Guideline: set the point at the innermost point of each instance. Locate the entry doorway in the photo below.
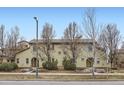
(89, 62)
(34, 62)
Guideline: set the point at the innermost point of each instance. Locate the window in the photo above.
(7, 60)
(27, 60)
(26, 45)
(42, 59)
(53, 59)
(65, 52)
(1, 60)
(59, 52)
(98, 62)
(90, 48)
(52, 46)
(17, 60)
(12, 61)
(82, 59)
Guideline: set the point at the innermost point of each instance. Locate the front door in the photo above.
(34, 62)
(89, 62)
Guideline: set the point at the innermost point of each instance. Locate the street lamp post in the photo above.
(36, 19)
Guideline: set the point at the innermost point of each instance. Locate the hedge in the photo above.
(68, 65)
(50, 65)
(8, 66)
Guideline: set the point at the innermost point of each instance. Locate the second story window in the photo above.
(98, 62)
(82, 59)
(52, 46)
(90, 48)
(59, 52)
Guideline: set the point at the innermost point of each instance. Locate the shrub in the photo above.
(15, 66)
(50, 65)
(68, 65)
(8, 66)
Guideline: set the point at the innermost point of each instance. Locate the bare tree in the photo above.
(109, 39)
(22, 38)
(122, 46)
(11, 42)
(91, 30)
(73, 38)
(2, 38)
(47, 36)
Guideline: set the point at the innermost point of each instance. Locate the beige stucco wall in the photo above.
(58, 56)
(26, 54)
(85, 53)
(102, 59)
(121, 60)
(121, 57)
(6, 60)
(3, 60)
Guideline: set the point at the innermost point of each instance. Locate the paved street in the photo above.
(61, 82)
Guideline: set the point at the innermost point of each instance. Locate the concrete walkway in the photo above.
(48, 73)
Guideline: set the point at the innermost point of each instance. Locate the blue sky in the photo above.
(58, 17)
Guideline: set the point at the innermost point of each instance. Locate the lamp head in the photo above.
(35, 18)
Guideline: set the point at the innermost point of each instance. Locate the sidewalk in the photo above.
(61, 76)
(48, 73)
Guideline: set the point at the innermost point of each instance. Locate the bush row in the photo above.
(67, 64)
(8, 66)
(50, 65)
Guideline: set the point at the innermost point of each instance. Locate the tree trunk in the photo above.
(48, 51)
(94, 57)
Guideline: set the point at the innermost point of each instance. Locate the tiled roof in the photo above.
(62, 41)
(23, 50)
